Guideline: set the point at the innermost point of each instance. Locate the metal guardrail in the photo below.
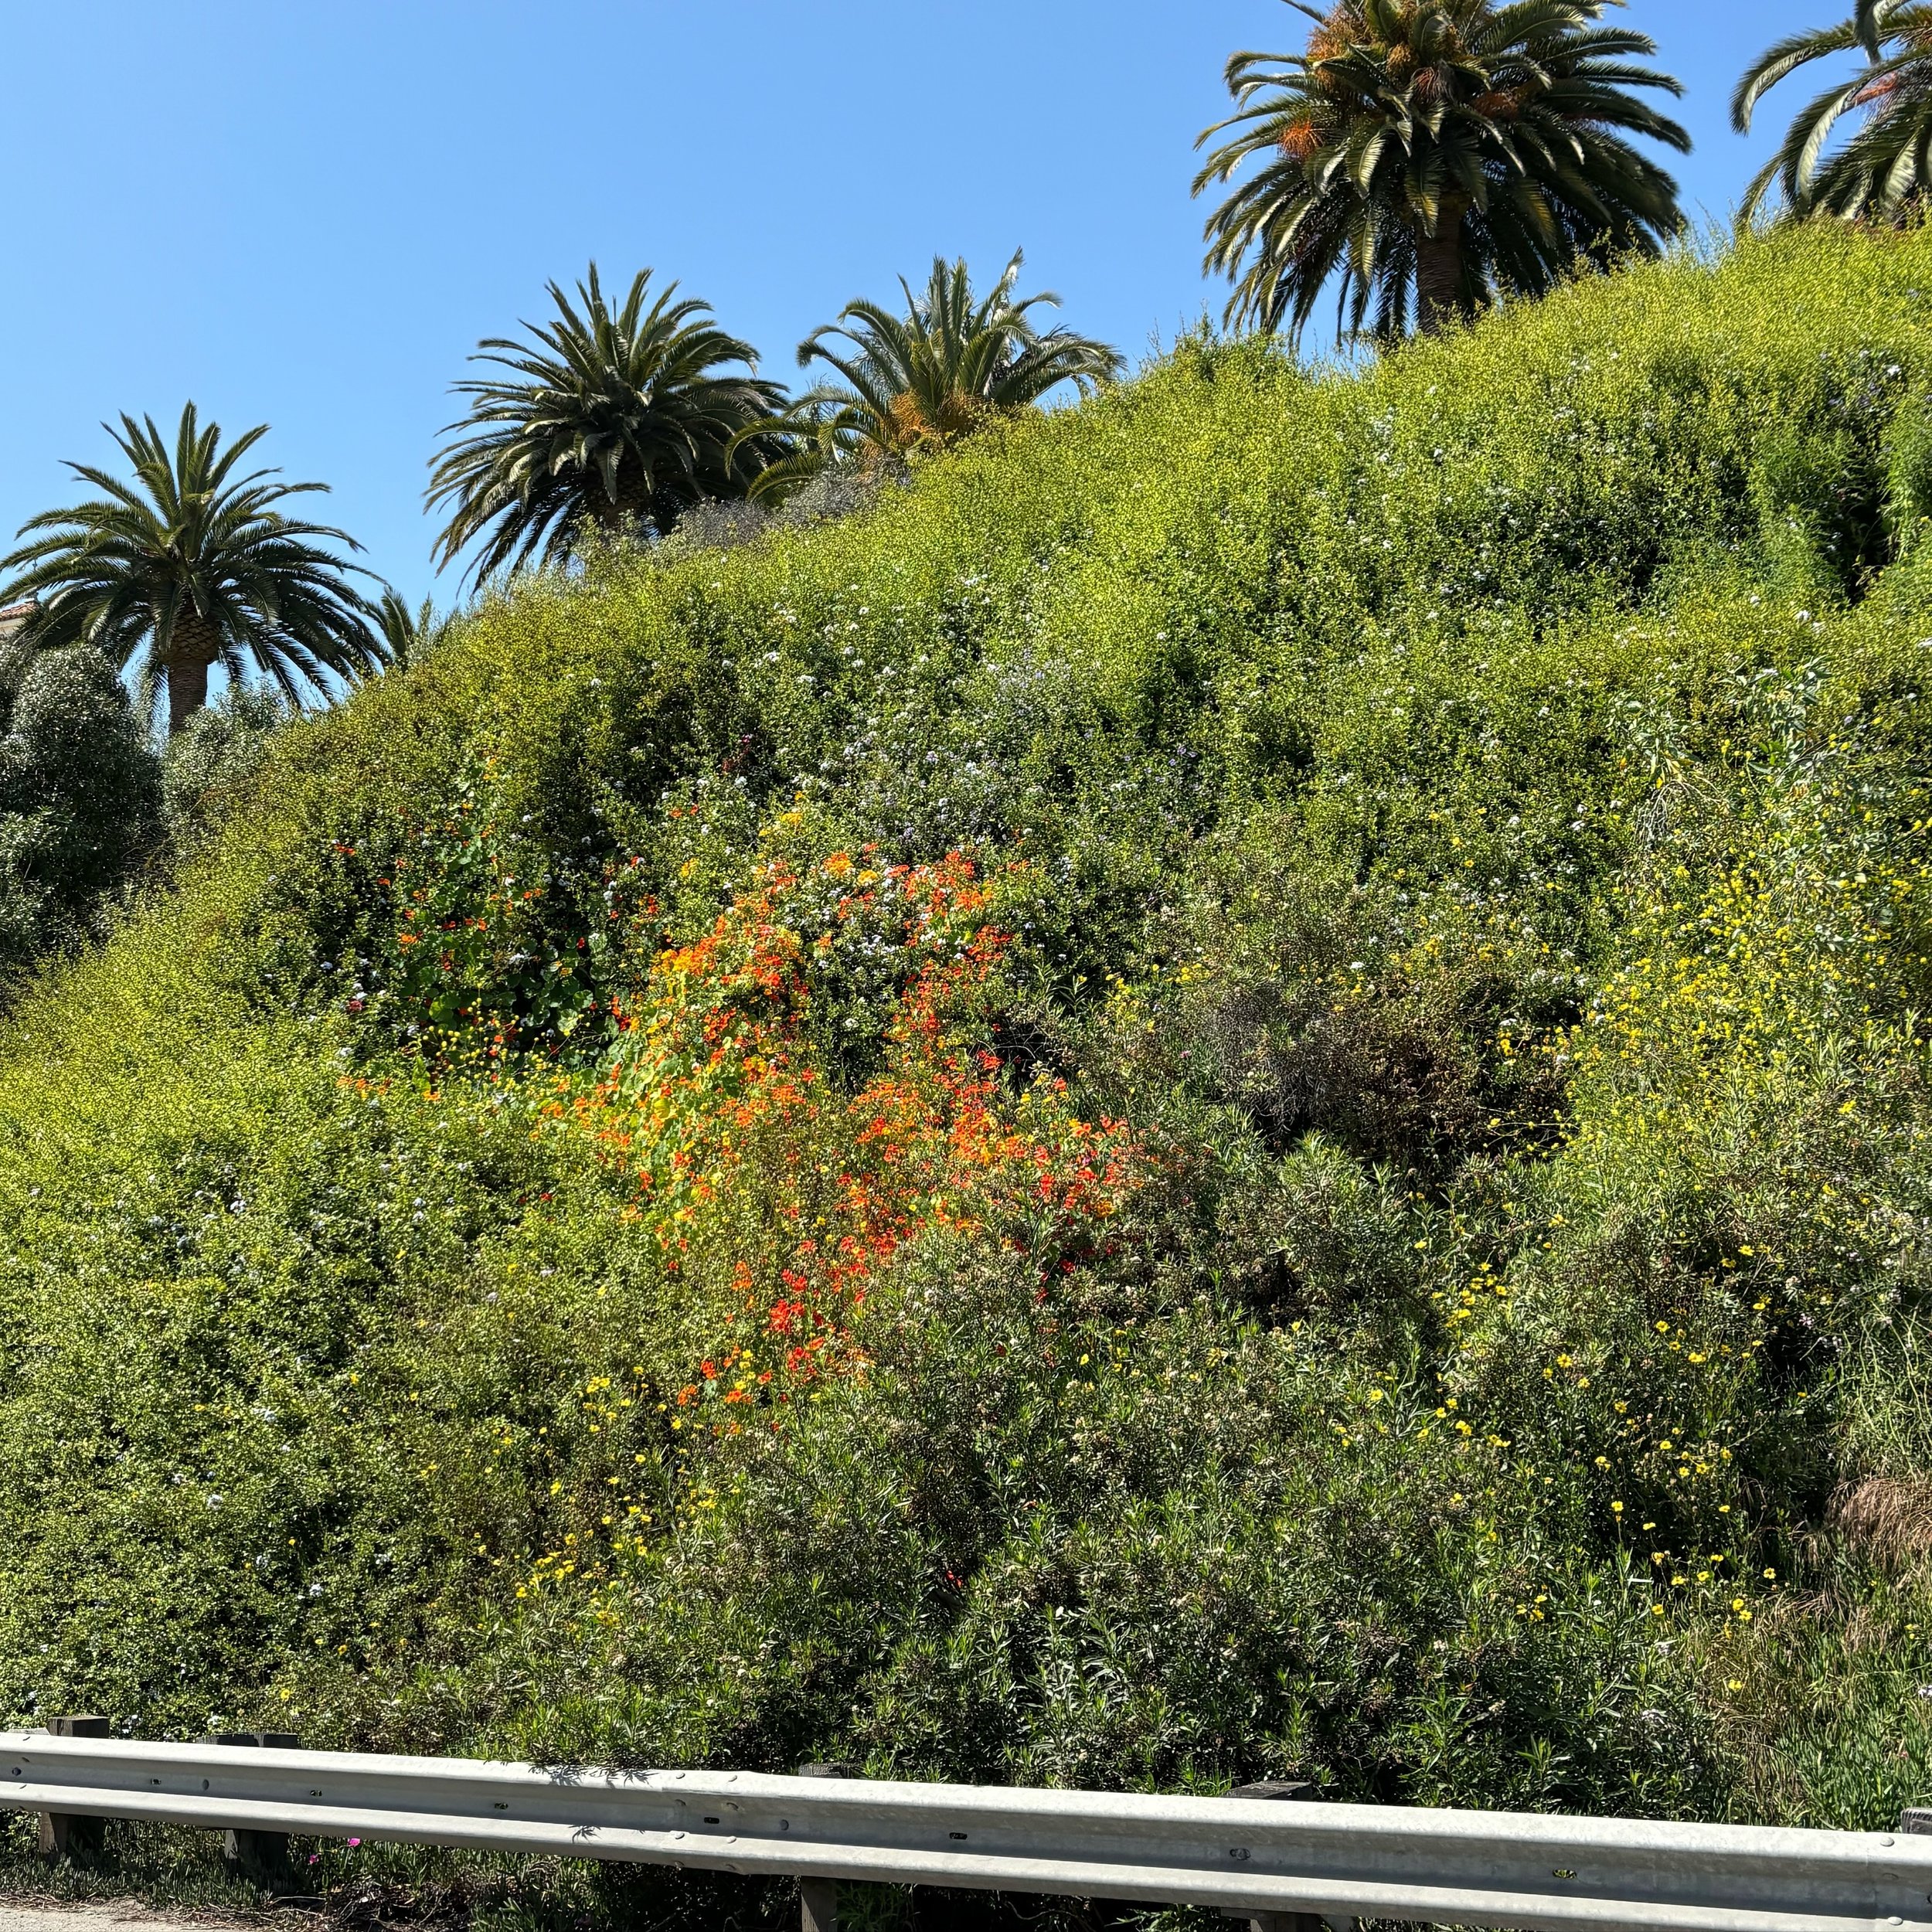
(1247, 1856)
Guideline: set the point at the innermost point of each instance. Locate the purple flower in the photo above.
(353, 1842)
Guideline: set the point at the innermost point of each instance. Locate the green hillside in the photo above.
(1238, 1089)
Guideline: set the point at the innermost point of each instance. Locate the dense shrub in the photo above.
(210, 760)
(80, 804)
(1237, 1088)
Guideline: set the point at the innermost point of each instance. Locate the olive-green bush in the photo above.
(79, 805)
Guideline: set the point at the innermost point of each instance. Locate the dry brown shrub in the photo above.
(1888, 1518)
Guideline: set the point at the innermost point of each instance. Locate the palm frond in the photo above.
(190, 567)
(1403, 125)
(918, 378)
(1878, 170)
(615, 419)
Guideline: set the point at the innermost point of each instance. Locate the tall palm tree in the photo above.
(190, 566)
(1886, 165)
(1427, 154)
(610, 420)
(920, 380)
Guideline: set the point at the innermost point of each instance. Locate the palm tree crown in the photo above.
(191, 566)
(1886, 165)
(409, 634)
(609, 419)
(918, 380)
(1430, 152)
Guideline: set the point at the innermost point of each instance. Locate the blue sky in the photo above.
(306, 214)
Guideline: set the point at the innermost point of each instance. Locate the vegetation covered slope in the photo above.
(1239, 1089)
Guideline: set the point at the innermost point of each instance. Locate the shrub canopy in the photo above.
(80, 804)
(1237, 1089)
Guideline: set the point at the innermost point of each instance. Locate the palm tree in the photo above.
(1430, 153)
(1886, 165)
(607, 420)
(920, 380)
(188, 566)
(408, 636)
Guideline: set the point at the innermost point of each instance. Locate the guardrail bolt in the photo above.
(818, 1898)
(262, 1856)
(64, 1835)
(1291, 1791)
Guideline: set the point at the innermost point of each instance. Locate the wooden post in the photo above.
(64, 1835)
(261, 1855)
(818, 1905)
(818, 1898)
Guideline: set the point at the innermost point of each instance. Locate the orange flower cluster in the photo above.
(720, 1100)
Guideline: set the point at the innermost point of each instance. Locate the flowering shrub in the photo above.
(719, 1098)
(1237, 1089)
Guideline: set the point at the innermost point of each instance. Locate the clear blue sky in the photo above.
(306, 211)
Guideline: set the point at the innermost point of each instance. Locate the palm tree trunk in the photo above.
(611, 517)
(623, 519)
(191, 653)
(1439, 270)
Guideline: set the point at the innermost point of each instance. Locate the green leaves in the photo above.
(80, 804)
(191, 567)
(608, 421)
(1474, 868)
(1422, 156)
(1883, 167)
(916, 383)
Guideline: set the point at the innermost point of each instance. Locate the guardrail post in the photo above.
(65, 1834)
(818, 1905)
(1916, 1821)
(261, 1855)
(1279, 1921)
(818, 1898)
